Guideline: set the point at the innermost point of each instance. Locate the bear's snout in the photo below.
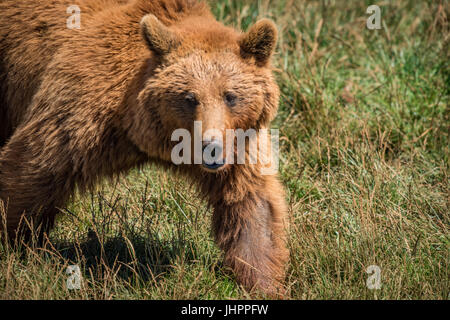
(213, 154)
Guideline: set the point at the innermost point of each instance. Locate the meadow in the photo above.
(364, 156)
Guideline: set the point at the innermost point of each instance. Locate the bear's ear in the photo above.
(259, 42)
(159, 38)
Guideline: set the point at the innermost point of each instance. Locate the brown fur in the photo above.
(78, 105)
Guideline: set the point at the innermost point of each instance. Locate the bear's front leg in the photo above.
(251, 230)
(34, 180)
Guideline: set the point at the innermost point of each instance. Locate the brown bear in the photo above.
(79, 104)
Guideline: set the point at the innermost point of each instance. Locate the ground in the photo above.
(364, 125)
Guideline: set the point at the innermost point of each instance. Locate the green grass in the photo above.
(364, 124)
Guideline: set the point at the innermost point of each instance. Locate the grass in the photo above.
(364, 125)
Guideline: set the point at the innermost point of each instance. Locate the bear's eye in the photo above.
(191, 100)
(230, 99)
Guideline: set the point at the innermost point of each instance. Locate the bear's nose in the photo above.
(213, 154)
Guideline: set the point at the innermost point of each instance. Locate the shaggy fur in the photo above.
(79, 105)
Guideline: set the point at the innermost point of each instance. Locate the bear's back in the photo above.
(30, 34)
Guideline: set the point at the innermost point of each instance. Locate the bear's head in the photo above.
(208, 78)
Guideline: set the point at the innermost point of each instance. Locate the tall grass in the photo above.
(364, 124)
